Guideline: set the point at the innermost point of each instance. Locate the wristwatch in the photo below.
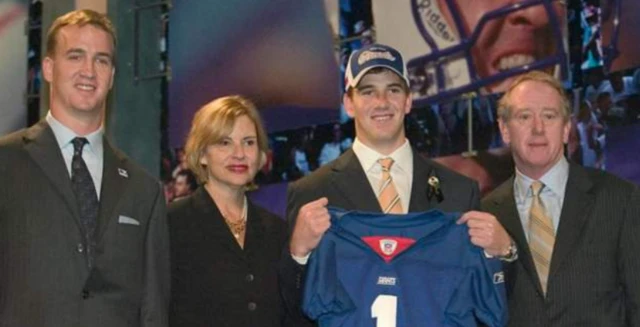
(512, 253)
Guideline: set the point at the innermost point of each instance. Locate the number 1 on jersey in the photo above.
(384, 309)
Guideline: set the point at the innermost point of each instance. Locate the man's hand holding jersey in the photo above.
(486, 232)
(312, 221)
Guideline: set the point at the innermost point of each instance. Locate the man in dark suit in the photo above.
(378, 98)
(83, 235)
(576, 228)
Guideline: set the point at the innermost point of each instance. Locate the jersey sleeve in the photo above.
(324, 294)
(482, 292)
(491, 308)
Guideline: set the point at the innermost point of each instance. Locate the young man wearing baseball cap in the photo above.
(377, 97)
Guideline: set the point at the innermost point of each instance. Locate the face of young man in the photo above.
(80, 72)
(536, 130)
(378, 105)
(505, 42)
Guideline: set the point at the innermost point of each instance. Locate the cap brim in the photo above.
(356, 79)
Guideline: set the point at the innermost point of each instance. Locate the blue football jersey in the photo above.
(418, 269)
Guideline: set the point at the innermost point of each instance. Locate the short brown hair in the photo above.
(504, 105)
(79, 18)
(213, 122)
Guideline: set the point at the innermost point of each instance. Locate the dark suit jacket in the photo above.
(44, 276)
(594, 278)
(345, 184)
(214, 281)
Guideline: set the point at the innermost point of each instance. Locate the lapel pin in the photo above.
(434, 188)
(123, 173)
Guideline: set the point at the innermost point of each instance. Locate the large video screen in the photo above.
(455, 47)
(279, 55)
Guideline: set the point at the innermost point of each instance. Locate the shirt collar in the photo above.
(554, 180)
(64, 135)
(368, 157)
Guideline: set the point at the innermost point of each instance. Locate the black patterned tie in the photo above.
(84, 188)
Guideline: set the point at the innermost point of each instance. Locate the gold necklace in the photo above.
(238, 228)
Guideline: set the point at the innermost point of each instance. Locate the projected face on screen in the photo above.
(511, 40)
(460, 46)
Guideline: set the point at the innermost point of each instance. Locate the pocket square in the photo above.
(127, 220)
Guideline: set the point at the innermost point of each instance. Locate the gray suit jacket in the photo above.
(44, 276)
(345, 184)
(594, 278)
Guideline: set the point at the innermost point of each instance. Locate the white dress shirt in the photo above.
(401, 170)
(92, 153)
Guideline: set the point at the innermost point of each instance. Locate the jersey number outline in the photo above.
(385, 310)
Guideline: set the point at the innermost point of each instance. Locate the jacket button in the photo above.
(80, 248)
(85, 294)
(252, 306)
(249, 278)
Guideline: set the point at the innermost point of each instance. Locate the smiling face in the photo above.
(234, 160)
(80, 73)
(378, 104)
(535, 129)
(505, 42)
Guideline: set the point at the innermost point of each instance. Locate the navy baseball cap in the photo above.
(372, 56)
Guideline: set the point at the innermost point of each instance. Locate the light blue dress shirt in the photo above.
(92, 153)
(552, 194)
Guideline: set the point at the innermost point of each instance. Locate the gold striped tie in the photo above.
(388, 195)
(541, 235)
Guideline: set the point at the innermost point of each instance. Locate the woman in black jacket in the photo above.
(225, 249)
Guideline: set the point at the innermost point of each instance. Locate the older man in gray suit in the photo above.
(83, 235)
(576, 228)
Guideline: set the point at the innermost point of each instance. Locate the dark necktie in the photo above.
(84, 189)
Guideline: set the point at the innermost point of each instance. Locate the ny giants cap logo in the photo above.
(372, 55)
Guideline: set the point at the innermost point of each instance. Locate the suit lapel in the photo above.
(43, 148)
(114, 181)
(507, 213)
(255, 233)
(352, 184)
(421, 172)
(578, 200)
(213, 225)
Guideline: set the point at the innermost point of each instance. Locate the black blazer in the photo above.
(44, 276)
(594, 278)
(214, 281)
(345, 184)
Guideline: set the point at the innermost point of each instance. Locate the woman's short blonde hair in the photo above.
(213, 122)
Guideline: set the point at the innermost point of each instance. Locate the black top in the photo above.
(214, 281)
